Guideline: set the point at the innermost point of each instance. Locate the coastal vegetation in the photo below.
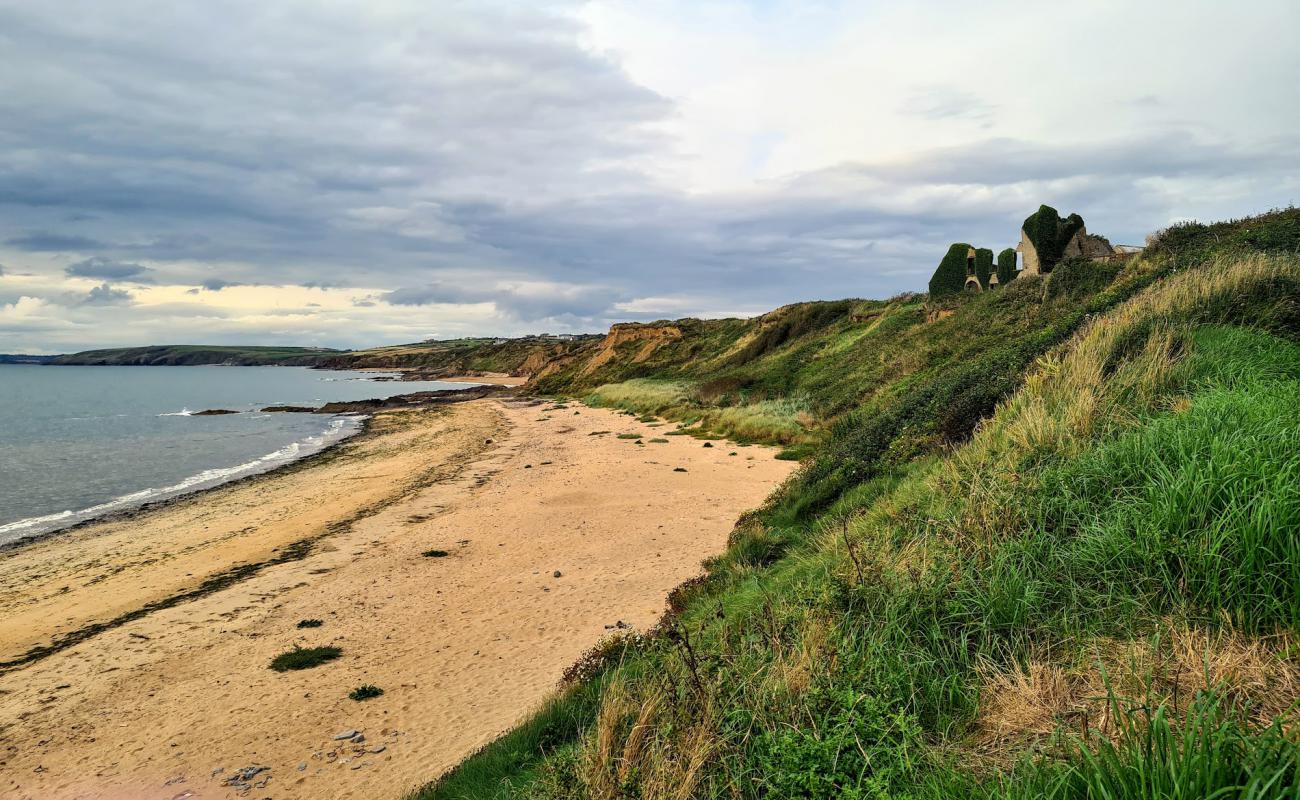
(365, 692)
(304, 658)
(1045, 542)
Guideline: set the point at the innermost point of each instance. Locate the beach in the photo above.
(138, 647)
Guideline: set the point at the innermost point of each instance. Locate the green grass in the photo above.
(365, 692)
(309, 623)
(304, 658)
(630, 436)
(1211, 754)
(435, 554)
(1067, 510)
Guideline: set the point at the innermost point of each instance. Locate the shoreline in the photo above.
(550, 532)
(128, 512)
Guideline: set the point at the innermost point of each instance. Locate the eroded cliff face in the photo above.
(651, 336)
(614, 346)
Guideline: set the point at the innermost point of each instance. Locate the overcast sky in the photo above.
(358, 173)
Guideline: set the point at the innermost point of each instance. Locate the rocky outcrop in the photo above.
(413, 400)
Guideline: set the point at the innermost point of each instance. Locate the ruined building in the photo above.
(1045, 239)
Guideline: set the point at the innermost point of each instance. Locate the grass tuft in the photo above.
(304, 658)
(365, 692)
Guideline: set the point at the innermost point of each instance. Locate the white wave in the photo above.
(32, 522)
(338, 428)
(184, 412)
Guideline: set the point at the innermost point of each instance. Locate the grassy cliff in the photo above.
(518, 356)
(194, 355)
(1046, 544)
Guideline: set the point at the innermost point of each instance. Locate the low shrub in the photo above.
(365, 692)
(304, 658)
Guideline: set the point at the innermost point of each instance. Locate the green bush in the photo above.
(365, 692)
(1079, 277)
(950, 276)
(856, 746)
(1275, 232)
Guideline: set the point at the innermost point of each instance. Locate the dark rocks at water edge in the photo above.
(415, 399)
(438, 397)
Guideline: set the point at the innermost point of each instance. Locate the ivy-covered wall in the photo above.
(1050, 234)
(950, 276)
(984, 266)
(1007, 266)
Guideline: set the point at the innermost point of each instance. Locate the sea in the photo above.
(80, 442)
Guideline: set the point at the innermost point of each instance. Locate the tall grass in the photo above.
(1212, 753)
(642, 395)
(781, 420)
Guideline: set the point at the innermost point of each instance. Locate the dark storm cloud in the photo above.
(100, 267)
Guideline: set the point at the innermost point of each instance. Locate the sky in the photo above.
(349, 174)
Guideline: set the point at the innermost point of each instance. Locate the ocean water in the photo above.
(79, 442)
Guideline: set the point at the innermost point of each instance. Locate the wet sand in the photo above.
(175, 700)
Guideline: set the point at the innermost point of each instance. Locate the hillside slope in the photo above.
(193, 355)
(1047, 544)
(519, 356)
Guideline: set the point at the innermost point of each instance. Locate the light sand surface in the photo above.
(463, 646)
(494, 378)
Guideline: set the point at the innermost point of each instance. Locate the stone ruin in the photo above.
(1045, 240)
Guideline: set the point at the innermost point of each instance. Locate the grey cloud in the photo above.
(44, 242)
(101, 267)
(215, 285)
(105, 294)
(529, 302)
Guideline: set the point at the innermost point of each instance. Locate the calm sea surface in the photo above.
(77, 442)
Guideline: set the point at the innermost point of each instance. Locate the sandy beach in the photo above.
(138, 648)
